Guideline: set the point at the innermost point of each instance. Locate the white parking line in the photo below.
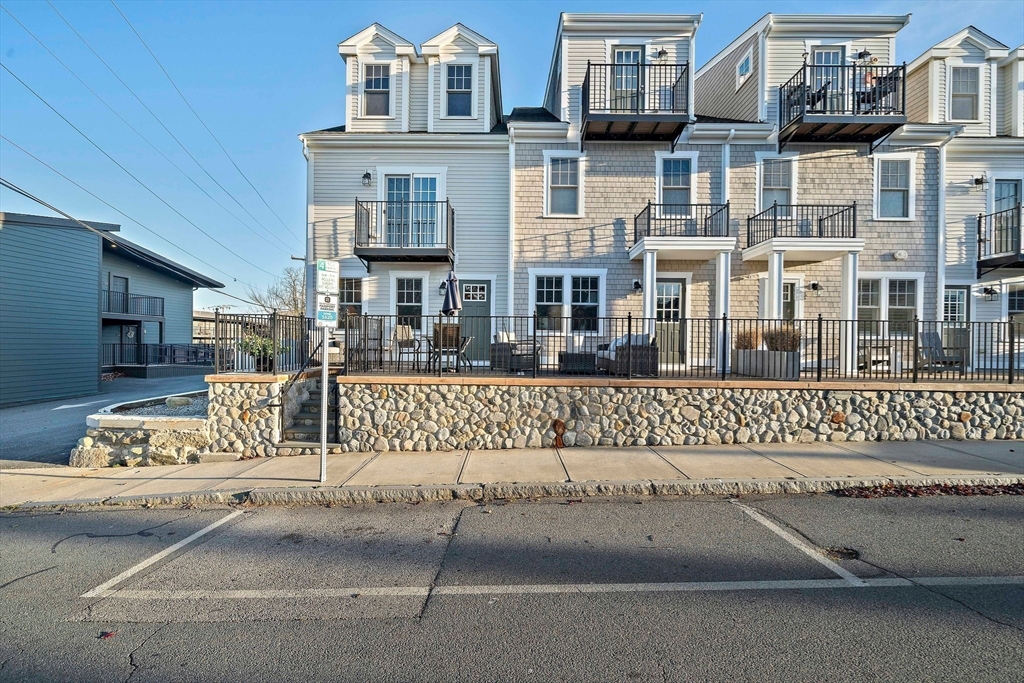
(107, 585)
(578, 588)
(800, 545)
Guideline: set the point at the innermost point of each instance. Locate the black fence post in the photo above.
(534, 344)
(725, 345)
(273, 342)
(348, 340)
(775, 218)
(820, 328)
(440, 342)
(1013, 350)
(916, 350)
(216, 341)
(629, 345)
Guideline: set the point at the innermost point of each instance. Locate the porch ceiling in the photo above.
(804, 249)
(683, 248)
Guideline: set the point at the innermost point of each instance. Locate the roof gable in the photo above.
(351, 45)
(448, 36)
(992, 47)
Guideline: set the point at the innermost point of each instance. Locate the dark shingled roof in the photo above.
(532, 115)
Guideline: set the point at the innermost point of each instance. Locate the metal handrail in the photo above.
(635, 89)
(802, 221)
(999, 233)
(681, 220)
(131, 304)
(843, 90)
(405, 224)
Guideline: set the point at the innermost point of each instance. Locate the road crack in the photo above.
(131, 655)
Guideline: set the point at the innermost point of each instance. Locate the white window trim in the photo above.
(949, 91)
(396, 275)
(659, 172)
(567, 274)
(686, 277)
(550, 154)
(883, 294)
(440, 171)
(759, 158)
(740, 80)
(796, 279)
(361, 64)
(492, 279)
(990, 191)
(1004, 286)
(475, 63)
(848, 49)
(910, 157)
(363, 281)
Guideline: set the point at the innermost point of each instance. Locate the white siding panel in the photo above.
(376, 50)
(1004, 101)
(418, 98)
(463, 51)
(969, 54)
(917, 95)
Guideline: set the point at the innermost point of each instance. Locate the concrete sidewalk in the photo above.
(526, 473)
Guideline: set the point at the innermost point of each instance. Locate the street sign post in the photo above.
(328, 285)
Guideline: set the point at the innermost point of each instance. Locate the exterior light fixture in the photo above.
(806, 55)
(990, 293)
(366, 179)
(662, 53)
(637, 286)
(441, 288)
(816, 288)
(864, 54)
(982, 179)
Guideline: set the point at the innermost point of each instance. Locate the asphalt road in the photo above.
(43, 434)
(603, 590)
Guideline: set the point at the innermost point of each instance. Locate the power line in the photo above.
(160, 121)
(111, 206)
(11, 186)
(144, 138)
(133, 177)
(182, 95)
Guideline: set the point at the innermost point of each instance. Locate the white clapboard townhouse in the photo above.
(416, 183)
(973, 81)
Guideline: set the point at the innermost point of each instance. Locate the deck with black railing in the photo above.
(681, 220)
(402, 230)
(802, 221)
(851, 103)
(638, 102)
(123, 303)
(999, 240)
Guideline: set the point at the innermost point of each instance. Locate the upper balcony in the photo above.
(123, 303)
(635, 102)
(401, 230)
(806, 232)
(842, 104)
(999, 240)
(682, 231)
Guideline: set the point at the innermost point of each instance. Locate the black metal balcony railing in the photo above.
(635, 89)
(802, 221)
(405, 225)
(850, 90)
(999, 233)
(157, 354)
(132, 304)
(681, 220)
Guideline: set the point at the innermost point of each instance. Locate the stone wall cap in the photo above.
(151, 422)
(246, 378)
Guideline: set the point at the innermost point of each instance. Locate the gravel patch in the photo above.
(891, 491)
(197, 408)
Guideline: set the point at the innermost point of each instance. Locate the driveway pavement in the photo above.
(44, 433)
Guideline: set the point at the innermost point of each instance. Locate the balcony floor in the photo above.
(827, 128)
(633, 127)
(404, 254)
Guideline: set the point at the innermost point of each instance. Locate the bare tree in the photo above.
(286, 294)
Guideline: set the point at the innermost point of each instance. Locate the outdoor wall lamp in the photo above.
(441, 289)
(990, 293)
(637, 286)
(366, 179)
(982, 179)
(864, 54)
(816, 288)
(662, 53)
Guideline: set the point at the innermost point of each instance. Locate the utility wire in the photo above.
(11, 186)
(182, 95)
(159, 120)
(111, 206)
(133, 177)
(145, 139)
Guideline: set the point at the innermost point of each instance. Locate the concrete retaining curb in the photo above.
(352, 495)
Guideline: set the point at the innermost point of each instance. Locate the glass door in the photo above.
(1004, 225)
(669, 307)
(424, 212)
(626, 79)
(398, 210)
(828, 86)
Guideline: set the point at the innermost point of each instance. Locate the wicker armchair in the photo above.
(640, 352)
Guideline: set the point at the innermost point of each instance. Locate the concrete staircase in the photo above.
(305, 428)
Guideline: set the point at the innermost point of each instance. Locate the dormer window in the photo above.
(377, 90)
(963, 98)
(744, 67)
(459, 90)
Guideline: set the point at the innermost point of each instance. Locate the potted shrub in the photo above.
(782, 357)
(745, 355)
(261, 349)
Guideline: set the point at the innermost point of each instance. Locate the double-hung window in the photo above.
(955, 304)
(743, 68)
(377, 90)
(564, 186)
(902, 305)
(459, 91)
(409, 302)
(549, 302)
(894, 188)
(569, 301)
(883, 300)
(964, 93)
(776, 182)
(350, 296)
(1015, 306)
(675, 186)
(586, 298)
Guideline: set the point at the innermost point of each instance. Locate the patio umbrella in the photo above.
(452, 300)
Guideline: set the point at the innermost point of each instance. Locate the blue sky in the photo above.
(260, 73)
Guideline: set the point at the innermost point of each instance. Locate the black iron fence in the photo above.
(635, 89)
(813, 350)
(681, 220)
(131, 304)
(405, 224)
(999, 233)
(802, 220)
(156, 354)
(843, 90)
(274, 342)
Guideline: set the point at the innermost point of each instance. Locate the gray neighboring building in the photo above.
(72, 301)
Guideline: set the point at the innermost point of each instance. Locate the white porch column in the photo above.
(848, 314)
(773, 301)
(650, 282)
(723, 283)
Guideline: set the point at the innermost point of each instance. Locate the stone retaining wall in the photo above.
(423, 417)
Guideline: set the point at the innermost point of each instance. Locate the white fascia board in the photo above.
(433, 46)
(627, 24)
(539, 132)
(408, 140)
(758, 26)
(746, 132)
(684, 248)
(1014, 54)
(987, 145)
(808, 249)
(839, 23)
(922, 134)
(351, 45)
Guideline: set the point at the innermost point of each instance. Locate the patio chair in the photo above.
(934, 357)
(367, 343)
(883, 88)
(444, 343)
(508, 353)
(404, 342)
